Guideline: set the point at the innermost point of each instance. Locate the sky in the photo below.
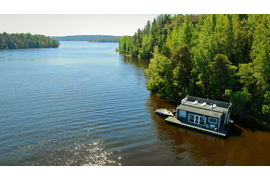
(74, 24)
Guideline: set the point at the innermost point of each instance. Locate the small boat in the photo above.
(164, 112)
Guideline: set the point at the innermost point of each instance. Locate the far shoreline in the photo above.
(100, 42)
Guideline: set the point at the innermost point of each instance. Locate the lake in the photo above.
(84, 104)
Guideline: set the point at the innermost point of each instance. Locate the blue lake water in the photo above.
(84, 104)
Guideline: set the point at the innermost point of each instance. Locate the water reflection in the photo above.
(91, 154)
(135, 62)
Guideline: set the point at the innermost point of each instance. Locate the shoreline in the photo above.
(100, 42)
(31, 48)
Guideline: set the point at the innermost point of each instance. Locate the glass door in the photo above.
(196, 119)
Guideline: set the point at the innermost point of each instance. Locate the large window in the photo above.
(201, 120)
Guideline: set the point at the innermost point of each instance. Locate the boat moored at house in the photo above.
(164, 112)
(203, 114)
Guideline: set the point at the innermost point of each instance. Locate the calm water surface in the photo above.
(84, 104)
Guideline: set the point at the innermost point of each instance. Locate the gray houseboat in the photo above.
(204, 114)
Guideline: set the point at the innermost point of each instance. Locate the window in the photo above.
(182, 113)
(196, 119)
(191, 118)
(213, 120)
(202, 120)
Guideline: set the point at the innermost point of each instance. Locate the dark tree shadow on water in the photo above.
(249, 124)
(235, 131)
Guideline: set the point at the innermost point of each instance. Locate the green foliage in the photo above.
(222, 57)
(22, 41)
(239, 99)
(160, 75)
(220, 78)
(266, 105)
(125, 45)
(182, 66)
(156, 34)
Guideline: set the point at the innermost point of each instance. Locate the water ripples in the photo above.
(72, 114)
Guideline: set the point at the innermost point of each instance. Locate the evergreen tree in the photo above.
(20, 41)
(160, 74)
(182, 65)
(222, 76)
(223, 57)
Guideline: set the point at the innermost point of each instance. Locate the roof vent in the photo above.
(195, 102)
(203, 104)
(213, 106)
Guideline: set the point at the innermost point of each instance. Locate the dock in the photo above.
(222, 133)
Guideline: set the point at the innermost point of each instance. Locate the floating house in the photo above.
(204, 115)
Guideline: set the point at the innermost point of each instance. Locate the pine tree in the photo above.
(182, 65)
(160, 74)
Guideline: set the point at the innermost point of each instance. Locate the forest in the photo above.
(25, 41)
(217, 56)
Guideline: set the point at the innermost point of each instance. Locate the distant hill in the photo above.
(90, 38)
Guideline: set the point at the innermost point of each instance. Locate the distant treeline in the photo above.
(223, 57)
(25, 41)
(90, 38)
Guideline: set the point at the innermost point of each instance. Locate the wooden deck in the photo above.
(222, 133)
